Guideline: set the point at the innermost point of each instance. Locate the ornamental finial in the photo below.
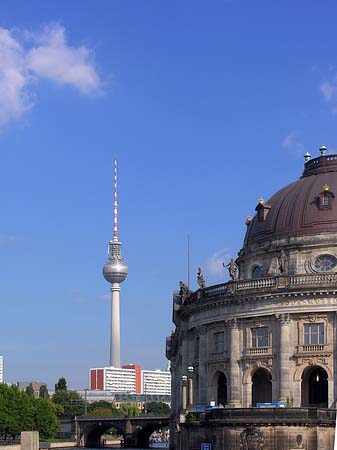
(323, 150)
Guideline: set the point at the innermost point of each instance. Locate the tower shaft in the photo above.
(115, 351)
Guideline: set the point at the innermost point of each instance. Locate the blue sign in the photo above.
(271, 405)
(206, 446)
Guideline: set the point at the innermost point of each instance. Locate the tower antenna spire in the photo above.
(115, 202)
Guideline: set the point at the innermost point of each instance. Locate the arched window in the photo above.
(257, 271)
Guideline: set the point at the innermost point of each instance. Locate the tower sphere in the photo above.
(115, 271)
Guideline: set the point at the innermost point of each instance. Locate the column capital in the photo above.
(232, 324)
(283, 318)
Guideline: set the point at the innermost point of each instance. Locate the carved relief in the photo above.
(251, 439)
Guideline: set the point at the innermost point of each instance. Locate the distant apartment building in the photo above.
(116, 379)
(1, 369)
(156, 382)
(36, 385)
(130, 379)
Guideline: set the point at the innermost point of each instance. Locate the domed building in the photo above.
(268, 335)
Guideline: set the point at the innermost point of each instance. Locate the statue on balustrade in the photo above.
(184, 291)
(232, 269)
(200, 278)
(283, 263)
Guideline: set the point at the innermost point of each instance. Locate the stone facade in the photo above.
(269, 335)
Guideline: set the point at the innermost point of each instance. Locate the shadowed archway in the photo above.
(314, 388)
(222, 389)
(261, 387)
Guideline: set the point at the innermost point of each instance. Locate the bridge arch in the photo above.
(135, 430)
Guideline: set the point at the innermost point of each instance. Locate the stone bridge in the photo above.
(135, 430)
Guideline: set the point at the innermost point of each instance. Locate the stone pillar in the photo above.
(30, 440)
(203, 358)
(190, 391)
(284, 357)
(234, 400)
(183, 393)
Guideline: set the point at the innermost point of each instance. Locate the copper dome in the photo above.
(307, 206)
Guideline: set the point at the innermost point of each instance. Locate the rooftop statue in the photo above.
(232, 269)
(200, 278)
(184, 291)
(283, 263)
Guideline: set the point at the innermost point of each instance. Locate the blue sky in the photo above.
(208, 106)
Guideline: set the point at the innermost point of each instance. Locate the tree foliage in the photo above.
(69, 403)
(22, 412)
(129, 409)
(30, 390)
(43, 392)
(157, 408)
(61, 385)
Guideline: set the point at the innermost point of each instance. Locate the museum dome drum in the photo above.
(307, 206)
(300, 220)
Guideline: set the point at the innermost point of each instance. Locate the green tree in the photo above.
(71, 403)
(45, 418)
(21, 412)
(129, 409)
(43, 392)
(157, 408)
(30, 390)
(99, 404)
(61, 385)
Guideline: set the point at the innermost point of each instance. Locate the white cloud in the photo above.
(292, 143)
(14, 97)
(45, 55)
(214, 264)
(329, 89)
(62, 64)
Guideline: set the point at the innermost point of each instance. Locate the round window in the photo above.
(257, 272)
(325, 263)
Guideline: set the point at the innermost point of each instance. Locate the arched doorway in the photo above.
(314, 387)
(222, 389)
(262, 387)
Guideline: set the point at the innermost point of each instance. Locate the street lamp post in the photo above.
(85, 402)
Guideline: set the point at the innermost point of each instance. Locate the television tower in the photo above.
(115, 271)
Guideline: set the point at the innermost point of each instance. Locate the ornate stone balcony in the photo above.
(314, 349)
(258, 351)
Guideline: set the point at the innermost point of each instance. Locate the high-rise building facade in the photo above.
(156, 382)
(130, 379)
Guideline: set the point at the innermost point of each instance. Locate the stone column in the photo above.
(190, 389)
(203, 358)
(234, 400)
(183, 393)
(284, 357)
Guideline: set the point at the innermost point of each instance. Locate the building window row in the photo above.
(260, 337)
